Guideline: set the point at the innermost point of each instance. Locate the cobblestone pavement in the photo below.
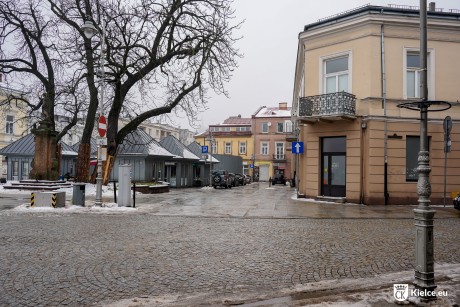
(78, 259)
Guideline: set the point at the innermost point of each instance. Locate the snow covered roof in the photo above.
(180, 151)
(237, 120)
(196, 149)
(138, 142)
(273, 112)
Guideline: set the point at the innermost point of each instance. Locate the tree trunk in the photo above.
(83, 160)
(45, 163)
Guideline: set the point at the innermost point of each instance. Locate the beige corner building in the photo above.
(352, 71)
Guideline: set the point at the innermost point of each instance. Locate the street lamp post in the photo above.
(89, 31)
(424, 214)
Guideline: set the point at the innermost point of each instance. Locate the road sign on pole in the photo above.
(297, 147)
(204, 149)
(102, 125)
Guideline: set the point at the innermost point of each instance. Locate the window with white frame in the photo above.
(279, 127)
(264, 148)
(9, 126)
(242, 148)
(265, 127)
(279, 151)
(413, 74)
(214, 147)
(288, 126)
(336, 74)
(228, 148)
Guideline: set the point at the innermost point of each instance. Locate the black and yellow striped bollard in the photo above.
(53, 200)
(32, 199)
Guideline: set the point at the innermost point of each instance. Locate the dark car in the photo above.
(248, 179)
(241, 179)
(457, 202)
(279, 179)
(233, 180)
(221, 178)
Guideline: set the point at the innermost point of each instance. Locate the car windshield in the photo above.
(218, 173)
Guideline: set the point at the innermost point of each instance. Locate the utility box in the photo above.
(50, 199)
(78, 197)
(124, 185)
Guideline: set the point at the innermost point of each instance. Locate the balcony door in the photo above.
(333, 166)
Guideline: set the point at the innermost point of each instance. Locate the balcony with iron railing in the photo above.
(279, 157)
(333, 106)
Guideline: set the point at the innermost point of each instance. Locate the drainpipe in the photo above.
(385, 124)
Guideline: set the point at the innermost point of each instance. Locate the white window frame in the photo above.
(264, 145)
(9, 125)
(322, 69)
(214, 147)
(228, 148)
(431, 72)
(242, 148)
(279, 156)
(267, 125)
(288, 126)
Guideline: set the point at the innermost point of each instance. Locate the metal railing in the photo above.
(339, 104)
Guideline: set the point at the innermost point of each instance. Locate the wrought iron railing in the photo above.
(340, 104)
(279, 157)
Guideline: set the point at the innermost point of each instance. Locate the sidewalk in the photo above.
(376, 291)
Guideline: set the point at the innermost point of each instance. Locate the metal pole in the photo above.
(210, 157)
(445, 173)
(424, 270)
(99, 147)
(385, 127)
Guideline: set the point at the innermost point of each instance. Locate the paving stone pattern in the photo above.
(81, 259)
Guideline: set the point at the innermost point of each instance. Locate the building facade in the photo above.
(272, 152)
(13, 124)
(232, 137)
(352, 72)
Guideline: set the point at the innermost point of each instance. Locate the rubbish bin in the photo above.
(78, 198)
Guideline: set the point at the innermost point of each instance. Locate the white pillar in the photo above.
(124, 180)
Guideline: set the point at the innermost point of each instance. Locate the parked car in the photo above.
(248, 179)
(233, 180)
(457, 202)
(278, 178)
(221, 178)
(241, 179)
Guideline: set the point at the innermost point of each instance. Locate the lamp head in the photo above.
(89, 29)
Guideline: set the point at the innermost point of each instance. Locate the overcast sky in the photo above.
(265, 75)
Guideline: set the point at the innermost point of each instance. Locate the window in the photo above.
(264, 127)
(280, 127)
(413, 74)
(264, 148)
(412, 149)
(288, 126)
(242, 148)
(214, 147)
(279, 151)
(228, 148)
(336, 74)
(9, 124)
(243, 129)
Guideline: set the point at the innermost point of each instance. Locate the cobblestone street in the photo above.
(77, 259)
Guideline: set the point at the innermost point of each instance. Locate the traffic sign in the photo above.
(297, 147)
(101, 141)
(204, 149)
(102, 125)
(251, 165)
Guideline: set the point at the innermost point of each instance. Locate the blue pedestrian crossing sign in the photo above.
(297, 147)
(204, 149)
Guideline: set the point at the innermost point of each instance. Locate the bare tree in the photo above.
(28, 55)
(165, 53)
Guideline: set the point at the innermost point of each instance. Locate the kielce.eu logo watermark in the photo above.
(402, 292)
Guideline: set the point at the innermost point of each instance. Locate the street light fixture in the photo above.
(89, 30)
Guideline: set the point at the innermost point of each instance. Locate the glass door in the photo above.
(333, 167)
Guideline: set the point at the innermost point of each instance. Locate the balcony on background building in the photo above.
(279, 157)
(333, 106)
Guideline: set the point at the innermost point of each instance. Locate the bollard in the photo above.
(270, 182)
(53, 200)
(114, 191)
(32, 199)
(134, 195)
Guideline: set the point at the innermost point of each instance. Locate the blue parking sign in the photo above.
(204, 149)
